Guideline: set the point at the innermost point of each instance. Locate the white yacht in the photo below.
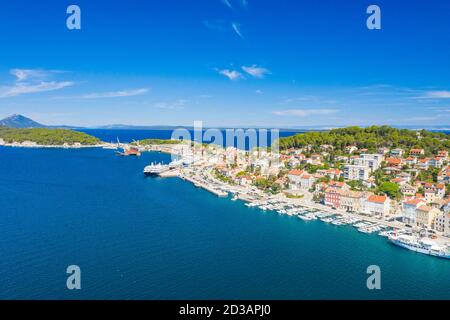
(421, 245)
(154, 170)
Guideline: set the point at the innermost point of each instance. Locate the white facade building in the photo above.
(355, 172)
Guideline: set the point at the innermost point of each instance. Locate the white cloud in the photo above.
(176, 105)
(32, 81)
(227, 3)
(305, 112)
(26, 88)
(25, 74)
(224, 25)
(116, 94)
(421, 118)
(231, 74)
(437, 95)
(237, 28)
(256, 71)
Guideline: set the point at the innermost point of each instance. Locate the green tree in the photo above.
(392, 190)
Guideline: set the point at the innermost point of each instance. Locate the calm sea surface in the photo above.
(138, 238)
(131, 135)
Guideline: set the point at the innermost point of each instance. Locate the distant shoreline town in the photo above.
(401, 192)
(380, 179)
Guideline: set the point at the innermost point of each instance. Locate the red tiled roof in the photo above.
(337, 183)
(393, 160)
(296, 172)
(425, 208)
(377, 199)
(414, 202)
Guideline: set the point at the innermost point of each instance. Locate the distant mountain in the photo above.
(19, 121)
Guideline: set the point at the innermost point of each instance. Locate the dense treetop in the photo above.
(44, 136)
(370, 138)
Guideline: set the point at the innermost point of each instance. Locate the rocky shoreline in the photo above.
(31, 144)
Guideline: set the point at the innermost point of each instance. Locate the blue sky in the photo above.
(271, 63)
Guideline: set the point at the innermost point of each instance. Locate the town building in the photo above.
(409, 210)
(398, 153)
(383, 150)
(423, 164)
(355, 172)
(332, 197)
(442, 223)
(373, 161)
(416, 152)
(408, 190)
(377, 206)
(443, 154)
(425, 216)
(350, 200)
(300, 180)
(436, 162)
(351, 149)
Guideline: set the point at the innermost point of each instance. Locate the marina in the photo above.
(307, 212)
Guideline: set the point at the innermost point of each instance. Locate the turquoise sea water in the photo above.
(138, 238)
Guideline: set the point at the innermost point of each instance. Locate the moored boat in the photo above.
(420, 245)
(154, 170)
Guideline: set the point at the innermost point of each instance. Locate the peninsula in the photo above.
(45, 137)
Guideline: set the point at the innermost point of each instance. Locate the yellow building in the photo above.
(425, 216)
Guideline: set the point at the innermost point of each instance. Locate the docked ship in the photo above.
(155, 170)
(130, 151)
(421, 245)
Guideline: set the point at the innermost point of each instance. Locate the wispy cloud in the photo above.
(437, 95)
(32, 81)
(20, 89)
(305, 112)
(422, 118)
(224, 26)
(237, 28)
(116, 94)
(253, 71)
(231, 74)
(174, 105)
(25, 74)
(256, 71)
(228, 3)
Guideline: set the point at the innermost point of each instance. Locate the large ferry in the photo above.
(154, 170)
(421, 245)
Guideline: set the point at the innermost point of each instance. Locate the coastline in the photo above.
(200, 175)
(40, 146)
